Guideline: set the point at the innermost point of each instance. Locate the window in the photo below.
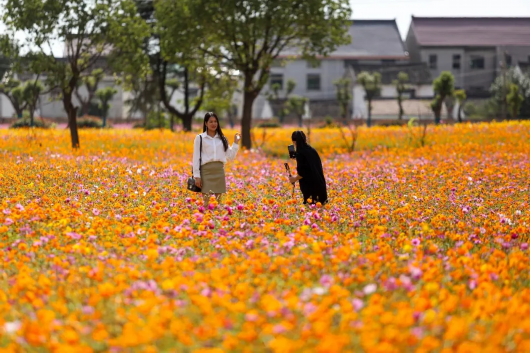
(433, 61)
(456, 61)
(388, 61)
(508, 60)
(313, 65)
(313, 82)
(276, 79)
(477, 62)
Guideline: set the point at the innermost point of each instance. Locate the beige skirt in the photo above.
(213, 178)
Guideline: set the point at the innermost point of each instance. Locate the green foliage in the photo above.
(157, 120)
(218, 96)
(145, 96)
(514, 100)
(296, 105)
(91, 83)
(501, 88)
(372, 88)
(461, 97)
(274, 95)
(444, 86)
(248, 35)
(482, 110)
(401, 85)
(25, 122)
(89, 122)
(14, 91)
(88, 29)
(105, 95)
(344, 95)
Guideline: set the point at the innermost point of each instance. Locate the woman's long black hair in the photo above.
(218, 130)
(299, 137)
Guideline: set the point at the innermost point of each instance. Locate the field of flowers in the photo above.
(421, 249)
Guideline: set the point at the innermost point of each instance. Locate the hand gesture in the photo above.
(237, 138)
(198, 182)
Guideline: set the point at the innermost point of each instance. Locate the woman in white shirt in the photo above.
(210, 177)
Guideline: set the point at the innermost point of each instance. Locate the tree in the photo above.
(444, 87)
(514, 100)
(402, 86)
(91, 83)
(14, 92)
(31, 94)
(461, 97)
(105, 95)
(296, 105)
(218, 97)
(248, 35)
(499, 88)
(344, 96)
(88, 29)
(372, 88)
(274, 95)
(175, 60)
(144, 98)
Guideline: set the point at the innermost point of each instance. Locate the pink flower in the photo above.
(416, 242)
(278, 329)
(95, 212)
(240, 207)
(524, 246)
(8, 222)
(357, 304)
(326, 281)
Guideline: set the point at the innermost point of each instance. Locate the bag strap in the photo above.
(200, 157)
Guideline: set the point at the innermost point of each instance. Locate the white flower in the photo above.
(319, 290)
(370, 288)
(12, 327)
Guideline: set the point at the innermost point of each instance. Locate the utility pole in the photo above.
(504, 86)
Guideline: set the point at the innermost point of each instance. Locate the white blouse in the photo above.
(212, 151)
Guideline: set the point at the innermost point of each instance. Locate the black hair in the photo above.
(299, 137)
(218, 130)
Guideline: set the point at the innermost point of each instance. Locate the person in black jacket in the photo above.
(310, 172)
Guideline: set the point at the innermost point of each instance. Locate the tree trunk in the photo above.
(401, 111)
(71, 111)
(246, 119)
(437, 116)
(460, 112)
(186, 122)
(86, 107)
(171, 122)
(31, 116)
(369, 120)
(18, 110)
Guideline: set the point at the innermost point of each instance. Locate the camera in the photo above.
(292, 152)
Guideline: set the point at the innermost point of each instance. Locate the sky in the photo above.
(402, 10)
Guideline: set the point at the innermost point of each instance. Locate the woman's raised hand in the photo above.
(237, 138)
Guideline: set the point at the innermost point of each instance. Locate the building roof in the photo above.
(471, 31)
(419, 73)
(370, 39)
